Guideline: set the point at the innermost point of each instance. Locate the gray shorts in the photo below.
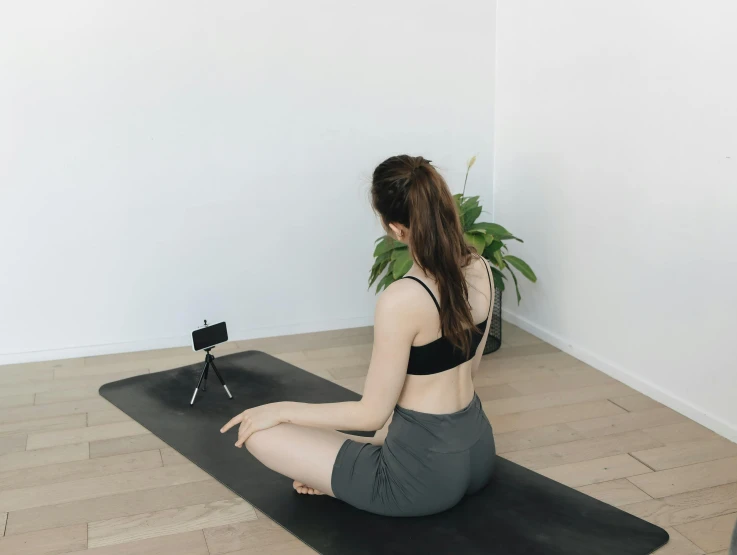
(427, 464)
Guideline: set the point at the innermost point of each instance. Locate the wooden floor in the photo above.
(79, 476)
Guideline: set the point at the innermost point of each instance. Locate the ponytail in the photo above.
(410, 191)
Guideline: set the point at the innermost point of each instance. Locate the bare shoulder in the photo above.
(479, 267)
(400, 296)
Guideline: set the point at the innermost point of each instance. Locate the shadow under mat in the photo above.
(520, 512)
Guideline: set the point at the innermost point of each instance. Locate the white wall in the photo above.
(163, 162)
(616, 161)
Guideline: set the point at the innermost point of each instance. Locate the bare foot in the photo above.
(302, 488)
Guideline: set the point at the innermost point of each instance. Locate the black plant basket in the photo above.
(494, 341)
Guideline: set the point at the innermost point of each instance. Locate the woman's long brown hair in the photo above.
(408, 190)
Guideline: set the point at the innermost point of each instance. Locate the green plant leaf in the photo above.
(499, 260)
(499, 278)
(498, 232)
(491, 248)
(516, 285)
(385, 282)
(402, 264)
(468, 203)
(387, 244)
(399, 251)
(522, 266)
(469, 216)
(376, 270)
(476, 241)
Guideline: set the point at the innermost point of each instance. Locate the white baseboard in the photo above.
(678, 404)
(177, 341)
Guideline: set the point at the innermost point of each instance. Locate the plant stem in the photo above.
(464, 182)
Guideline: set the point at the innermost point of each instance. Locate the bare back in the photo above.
(451, 390)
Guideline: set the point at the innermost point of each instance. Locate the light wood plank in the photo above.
(711, 534)
(678, 545)
(536, 437)
(616, 492)
(13, 443)
(117, 505)
(686, 452)
(555, 399)
(186, 543)
(535, 418)
(597, 470)
(100, 370)
(702, 497)
(555, 361)
(620, 423)
(76, 470)
(57, 409)
(102, 361)
(682, 431)
(42, 457)
(495, 376)
(515, 337)
(88, 488)
(636, 402)
(15, 377)
(582, 450)
(54, 385)
(39, 440)
(507, 352)
(491, 392)
(16, 401)
(688, 478)
(333, 364)
(255, 536)
(659, 512)
(121, 445)
(26, 366)
(45, 424)
(562, 383)
(46, 542)
(3, 522)
(170, 521)
(362, 352)
(170, 456)
(96, 418)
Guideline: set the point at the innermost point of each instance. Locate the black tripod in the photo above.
(209, 361)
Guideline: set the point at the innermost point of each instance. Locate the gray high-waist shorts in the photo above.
(427, 464)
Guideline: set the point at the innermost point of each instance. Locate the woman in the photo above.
(429, 332)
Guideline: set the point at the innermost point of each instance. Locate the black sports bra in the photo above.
(441, 355)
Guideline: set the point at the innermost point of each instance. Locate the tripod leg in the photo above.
(204, 383)
(221, 380)
(202, 375)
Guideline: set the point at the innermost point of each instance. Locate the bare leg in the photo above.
(304, 454)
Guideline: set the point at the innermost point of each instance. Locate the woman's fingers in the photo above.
(244, 433)
(232, 422)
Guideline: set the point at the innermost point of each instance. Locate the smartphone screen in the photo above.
(209, 336)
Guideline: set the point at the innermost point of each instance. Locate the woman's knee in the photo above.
(259, 443)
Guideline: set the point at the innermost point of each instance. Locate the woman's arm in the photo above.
(480, 350)
(395, 327)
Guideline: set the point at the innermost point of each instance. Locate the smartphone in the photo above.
(209, 336)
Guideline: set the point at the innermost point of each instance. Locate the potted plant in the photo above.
(488, 239)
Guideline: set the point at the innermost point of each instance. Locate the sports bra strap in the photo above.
(426, 289)
(491, 288)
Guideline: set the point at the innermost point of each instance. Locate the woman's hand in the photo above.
(254, 420)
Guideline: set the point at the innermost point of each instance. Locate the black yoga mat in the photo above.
(519, 513)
